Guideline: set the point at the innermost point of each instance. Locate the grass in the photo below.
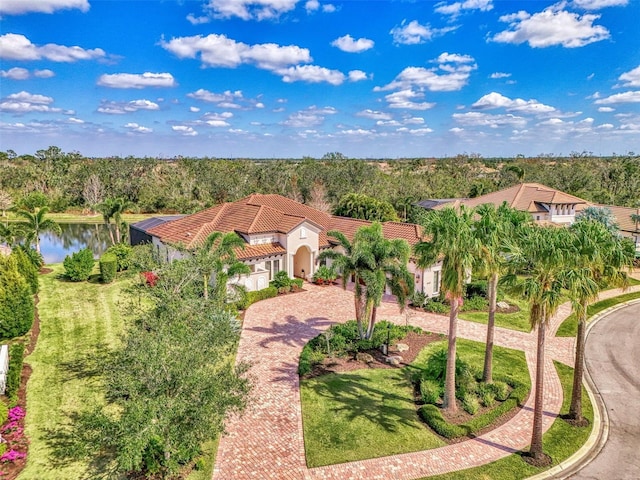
(209, 450)
(76, 320)
(371, 413)
(74, 217)
(560, 442)
(514, 321)
(569, 328)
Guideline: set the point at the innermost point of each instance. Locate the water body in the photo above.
(74, 237)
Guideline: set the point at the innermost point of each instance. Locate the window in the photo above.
(436, 281)
(276, 266)
(303, 232)
(268, 265)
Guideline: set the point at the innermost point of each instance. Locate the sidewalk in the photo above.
(267, 441)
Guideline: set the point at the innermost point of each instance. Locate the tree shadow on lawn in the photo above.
(89, 365)
(294, 332)
(358, 397)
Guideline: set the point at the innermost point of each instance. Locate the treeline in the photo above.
(71, 181)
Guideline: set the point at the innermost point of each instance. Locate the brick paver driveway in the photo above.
(266, 442)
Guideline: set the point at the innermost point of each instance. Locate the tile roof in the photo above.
(260, 251)
(623, 217)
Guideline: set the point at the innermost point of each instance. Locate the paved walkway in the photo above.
(266, 442)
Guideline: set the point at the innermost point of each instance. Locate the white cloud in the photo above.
(15, 73)
(135, 128)
(211, 97)
(606, 109)
(121, 108)
(193, 20)
(413, 33)
(312, 6)
(457, 7)
(309, 117)
(495, 100)
(357, 75)
(626, 97)
(311, 74)
(631, 78)
(44, 73)
(551, 27)
(194, 109)
(415, 131)
(499, 75)
(347, 43)
(18, 47)
(374, 115)
(220, 51)
(478, 119)
(598, 4)
(25, 102)
(249, 9)
(75, 121)
(19, 7)
(407, 99)
(184, 130)
(329, 8)
(413, 121)
(134, 80)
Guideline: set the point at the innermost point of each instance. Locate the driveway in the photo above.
(613, 359)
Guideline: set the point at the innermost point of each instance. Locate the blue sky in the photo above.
(289, 78)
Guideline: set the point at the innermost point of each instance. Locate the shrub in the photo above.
(16, 356)
(122, 252)
(79, 265)
(26, 268)
(435, 306)
(500, 390)
(470, 403)
(16, 301)
(4, 412)
(475, 303)
(34, 256)
(252, 297)
(324, 275)
(487, 395)
(432, 416)
(281, 280)
(108, 267)
(430, 391)
(297, 282)
(418, 299)
(477, 288)
(150, 278)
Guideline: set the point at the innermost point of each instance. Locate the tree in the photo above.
(16, 300)
(33, 201)
(217, 258)
(357, 205)
(603, 215)
(93, 192)
(375, 264)
(635, 218)
(26, 268)
(597, 256)
(542, 253)
(113, 208)
(494, 226)
(36, 223)
(6, 202)
(453, 241)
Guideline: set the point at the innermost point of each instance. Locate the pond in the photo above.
(74, 237)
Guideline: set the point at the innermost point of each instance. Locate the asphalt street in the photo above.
(613, 359)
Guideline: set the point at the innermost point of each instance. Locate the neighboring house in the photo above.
(545, 204)
(280, 234)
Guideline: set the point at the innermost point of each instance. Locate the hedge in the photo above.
(252, 297)
(26, 268)
(108, 267)
(17, 307)
(16, 355)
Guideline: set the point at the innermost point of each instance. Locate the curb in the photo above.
(600, 431)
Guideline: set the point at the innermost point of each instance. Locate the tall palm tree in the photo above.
(493, 227)
(216, 257)
(454, 242)
(113, 208)
(537, 263)
(375, 263)
(35, 223)
(597, 257)
(635, 218)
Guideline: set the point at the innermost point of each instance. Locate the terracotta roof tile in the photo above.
(260, 251)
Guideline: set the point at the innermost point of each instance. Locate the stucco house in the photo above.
(546, 205)
(280, 234)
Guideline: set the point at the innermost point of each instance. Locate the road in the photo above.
(613, 359)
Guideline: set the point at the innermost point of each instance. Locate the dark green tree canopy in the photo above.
(364, 207)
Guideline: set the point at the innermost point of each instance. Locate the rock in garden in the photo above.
(393, 360)
(364, 357)
(402, 347)
(503, 305)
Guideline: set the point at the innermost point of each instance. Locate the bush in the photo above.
(26, 268)
(476, 289)
(4, 413)
(281, 280)
(79, 265)
(475, 303)
(34, 256)
(435, 306)
(500, 390)
(16, 300)
(470, 404)
(324, 275)
(122, 252)
(16, 356)
(297, 282)
(418, 299)
(487, 395)
(108, 267)
(252, 297)
(432, 416)
(430, 391)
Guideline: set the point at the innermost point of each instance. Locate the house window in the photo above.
(276, 266)
(268, 265)
(303, 232)
(436, 282)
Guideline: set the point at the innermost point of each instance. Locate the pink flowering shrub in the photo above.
(16, 413)
(150, 278)
(12, 456)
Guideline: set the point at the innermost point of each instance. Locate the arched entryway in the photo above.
(302, 266)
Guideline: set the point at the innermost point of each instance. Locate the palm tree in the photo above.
(494, 226)
(113, 208)
(635, 218)
(375, 263)
(597, 257)
(216, 257)
(454, 242)
(35, 223)
(537, 264)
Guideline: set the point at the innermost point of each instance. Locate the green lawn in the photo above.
(88, 218)
(569, 327)
(560, 442)
(371, 413)
(76, 321)
(515, 321)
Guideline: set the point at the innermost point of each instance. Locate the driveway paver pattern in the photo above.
(266, 442)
